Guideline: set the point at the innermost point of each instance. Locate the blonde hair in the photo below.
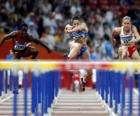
(126, 18)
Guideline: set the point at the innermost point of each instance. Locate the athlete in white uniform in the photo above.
(128, 37)
(83, 75)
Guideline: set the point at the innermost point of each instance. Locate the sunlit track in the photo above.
(79, 104)
(6, 108)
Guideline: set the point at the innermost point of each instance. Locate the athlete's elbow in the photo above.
(138, 39)
(66, 31)
(114, 42)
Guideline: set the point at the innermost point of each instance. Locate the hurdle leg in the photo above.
(15, 92)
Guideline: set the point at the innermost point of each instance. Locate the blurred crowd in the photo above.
(47, 18)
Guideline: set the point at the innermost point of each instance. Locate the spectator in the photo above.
(95, 55)
(107, 48)
(48, 38)
(32, 30)
(54, 14)
(30, 18)
(10, 6)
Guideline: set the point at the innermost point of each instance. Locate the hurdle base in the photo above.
(5, 96)
(49, 111)
(111, 112)
(43, 114)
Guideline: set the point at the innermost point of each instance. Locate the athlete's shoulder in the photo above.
(84, 26)
(12, 34)
(134, 28)
(83, 23)
(117, 29)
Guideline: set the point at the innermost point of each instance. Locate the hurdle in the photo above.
(46, 83)
(111, 85)
(44, 89)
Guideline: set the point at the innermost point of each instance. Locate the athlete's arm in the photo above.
(8, 36)
(81, 27)
(67, 28)
(136, 34)
(115, 32)
(37, 41)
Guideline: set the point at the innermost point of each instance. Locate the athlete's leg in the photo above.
(124, 54)
(82, 79)
(119, 51)
(17, 55)
(30, 51)
(74, 50)
(86, 55)
(135, 55)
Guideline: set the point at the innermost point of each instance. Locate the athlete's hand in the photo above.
(68, 28)
(69, 31)
(28, 44)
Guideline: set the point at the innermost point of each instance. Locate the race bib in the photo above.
(126, 40)
(19, 47)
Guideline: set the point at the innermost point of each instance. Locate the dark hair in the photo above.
(106, 37)
(24, 25)
(75, 18)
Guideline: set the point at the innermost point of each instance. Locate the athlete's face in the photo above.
(75, 23)
(24, 30)
(126, 24)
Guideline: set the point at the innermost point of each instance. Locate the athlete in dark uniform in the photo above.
(21, 43)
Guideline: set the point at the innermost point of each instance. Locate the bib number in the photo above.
(126, 41)
(19, 47)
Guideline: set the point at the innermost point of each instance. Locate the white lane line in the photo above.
(7, 98)
(135, 91)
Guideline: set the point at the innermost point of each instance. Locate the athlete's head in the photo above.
(126, 22)
(76, 21)
(24, 28)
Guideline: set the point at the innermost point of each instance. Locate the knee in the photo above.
(77, 46)
(35, 52)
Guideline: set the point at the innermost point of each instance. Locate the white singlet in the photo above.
(125, 38)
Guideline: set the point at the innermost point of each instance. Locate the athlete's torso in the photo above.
(21, 39)
(80, 36)
(126, 38)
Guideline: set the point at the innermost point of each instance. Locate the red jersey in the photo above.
(20, 38)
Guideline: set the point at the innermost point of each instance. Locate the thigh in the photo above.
(124, 54)
(29, 51)
(71, 44)
(76, 47)
(135, 55)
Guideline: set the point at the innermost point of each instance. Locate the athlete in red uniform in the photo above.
(21, 43)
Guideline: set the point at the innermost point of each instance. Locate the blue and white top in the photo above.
(76, 35)
(126, 38)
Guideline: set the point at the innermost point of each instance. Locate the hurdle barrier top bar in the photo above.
(51, 65)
